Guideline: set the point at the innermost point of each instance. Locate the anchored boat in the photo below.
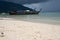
(23, 12)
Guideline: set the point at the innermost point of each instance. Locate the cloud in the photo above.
(27, 1)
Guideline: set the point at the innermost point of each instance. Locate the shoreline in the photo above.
(52, 22)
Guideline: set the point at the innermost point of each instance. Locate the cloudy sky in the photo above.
(46, 5)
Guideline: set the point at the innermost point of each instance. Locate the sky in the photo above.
(46, 5)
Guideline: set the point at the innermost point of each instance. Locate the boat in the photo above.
(23, 12)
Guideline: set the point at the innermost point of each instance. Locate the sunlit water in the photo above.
(46, 17)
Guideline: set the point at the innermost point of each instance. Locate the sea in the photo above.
(43, 17)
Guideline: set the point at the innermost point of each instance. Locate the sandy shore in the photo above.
(23, 30)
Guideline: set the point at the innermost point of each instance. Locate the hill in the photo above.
(9, 6)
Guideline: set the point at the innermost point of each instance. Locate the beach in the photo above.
(14, 29)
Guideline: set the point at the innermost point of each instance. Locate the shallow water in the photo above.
(46, 17)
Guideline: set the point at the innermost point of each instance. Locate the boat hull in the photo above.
(22, 13)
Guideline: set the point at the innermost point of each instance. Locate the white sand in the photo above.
(23, 30)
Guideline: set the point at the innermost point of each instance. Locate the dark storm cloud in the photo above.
(46, 5)
(32, 1)
(27, 1)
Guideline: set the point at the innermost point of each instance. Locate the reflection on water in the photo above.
(47, 17)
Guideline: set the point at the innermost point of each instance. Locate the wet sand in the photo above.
(24, 30)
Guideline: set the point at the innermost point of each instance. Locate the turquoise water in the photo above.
(46, 17)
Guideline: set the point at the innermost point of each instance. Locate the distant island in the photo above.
(10, 6)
